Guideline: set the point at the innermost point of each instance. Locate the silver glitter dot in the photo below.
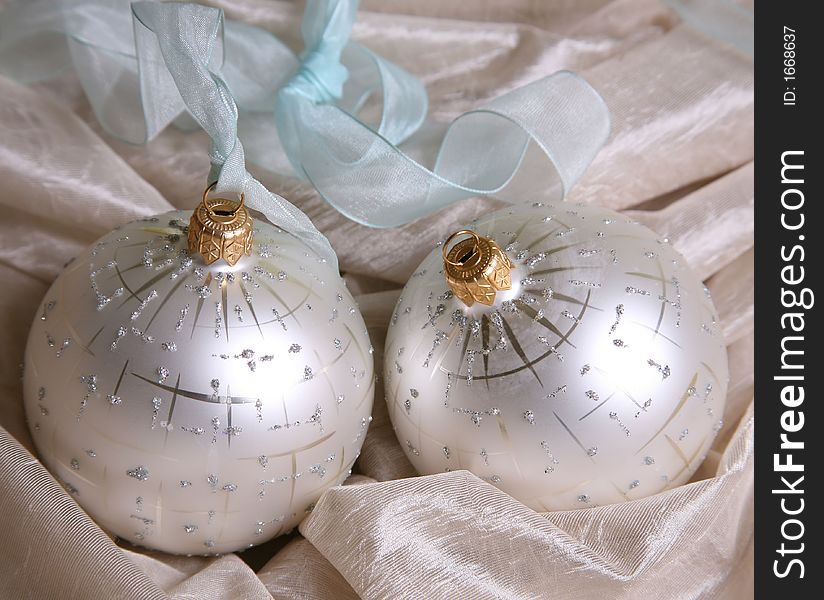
(637, 291)
(263, 460)
(230, 487)
(648, 460)
(592, 395)
(202, 291)
(90, 381)
(413, 392)
(233, 430)
(184, 483)
(50, 305)
(634, 484)
(583, 498)
(307, 373)
(592, 451)
(140, 473)
(113, 400)
(74, 464)
(294, 348)
(529, 417)
(190, 528)
(318, 470)
(485, 456)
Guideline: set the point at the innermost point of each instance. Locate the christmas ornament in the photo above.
(563, 353)
(191, 405)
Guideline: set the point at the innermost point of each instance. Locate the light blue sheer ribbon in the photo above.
(146, 68)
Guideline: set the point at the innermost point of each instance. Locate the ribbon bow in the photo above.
(145, 68)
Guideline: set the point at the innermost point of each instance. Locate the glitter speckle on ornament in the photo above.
(595, 378)
(212, 394)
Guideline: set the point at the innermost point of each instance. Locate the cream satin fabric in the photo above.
(679, 159)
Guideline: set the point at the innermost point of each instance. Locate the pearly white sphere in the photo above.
(197, 409)
(600, 377)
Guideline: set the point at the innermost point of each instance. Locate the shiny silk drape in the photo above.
(679, 159)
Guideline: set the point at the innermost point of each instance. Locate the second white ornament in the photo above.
(581, 365)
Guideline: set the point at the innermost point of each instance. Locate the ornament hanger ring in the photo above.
(220, 228)
(476, 248)
(222, 213)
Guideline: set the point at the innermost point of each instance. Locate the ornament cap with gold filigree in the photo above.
(220, 228)
(476, 268)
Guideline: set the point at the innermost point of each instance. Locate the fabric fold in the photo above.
(443, 535)
(38, 502)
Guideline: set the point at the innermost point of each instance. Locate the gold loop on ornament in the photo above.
(210, 208)
(485, 271)
(220, 228)
(476, 247)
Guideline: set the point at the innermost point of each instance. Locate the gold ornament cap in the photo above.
(220, 228)
(475, 268)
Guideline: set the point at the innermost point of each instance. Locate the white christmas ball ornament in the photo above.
(192, 408)
(599, 376)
